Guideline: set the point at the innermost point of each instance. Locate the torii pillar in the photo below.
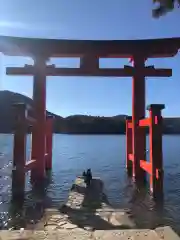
(138, 112)
(140, 71)
(39, 101)
(38, 71)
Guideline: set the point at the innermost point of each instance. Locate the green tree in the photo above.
(164, 6)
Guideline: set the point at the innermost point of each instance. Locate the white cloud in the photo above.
(8, 24)
(28, 26)
(38, 29)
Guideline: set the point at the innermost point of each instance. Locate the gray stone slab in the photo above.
(120, 218)
(125, 235)
(166, 233)
(93, 215)
(81, 234)
(77, 234)
(22, 235)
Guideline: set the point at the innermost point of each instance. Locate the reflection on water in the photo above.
(106, 157)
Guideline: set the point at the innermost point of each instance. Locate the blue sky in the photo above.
(95, 19)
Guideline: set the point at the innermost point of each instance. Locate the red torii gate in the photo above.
(89, 53)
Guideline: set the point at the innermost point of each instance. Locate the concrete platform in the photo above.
(164, 233)
(88, 208)
(88, 215)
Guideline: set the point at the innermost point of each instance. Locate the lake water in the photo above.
(105, 154)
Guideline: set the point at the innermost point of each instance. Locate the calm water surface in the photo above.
(106, 156)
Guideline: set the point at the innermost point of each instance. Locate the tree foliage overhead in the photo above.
(164, 6)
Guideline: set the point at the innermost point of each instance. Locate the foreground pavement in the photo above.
(165, 233)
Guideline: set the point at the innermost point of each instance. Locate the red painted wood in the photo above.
(129, 124)
(19, 153)
(31, 120)
(89, 53)
(128, 146)
(166, 47)
(39, 128)
(144, 122)
(146, 166)
(30, 165)
(49, 142)
(89, 70)
(138, 112)
(131, 157)
(156, 153)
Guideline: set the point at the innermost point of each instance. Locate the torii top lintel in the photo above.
(17, 46)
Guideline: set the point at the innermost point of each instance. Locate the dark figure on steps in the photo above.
(84, 174)
(87, 177)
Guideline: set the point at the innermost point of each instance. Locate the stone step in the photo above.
(88, 208)
(165, 233)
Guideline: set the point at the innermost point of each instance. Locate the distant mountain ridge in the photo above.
(75, 124)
